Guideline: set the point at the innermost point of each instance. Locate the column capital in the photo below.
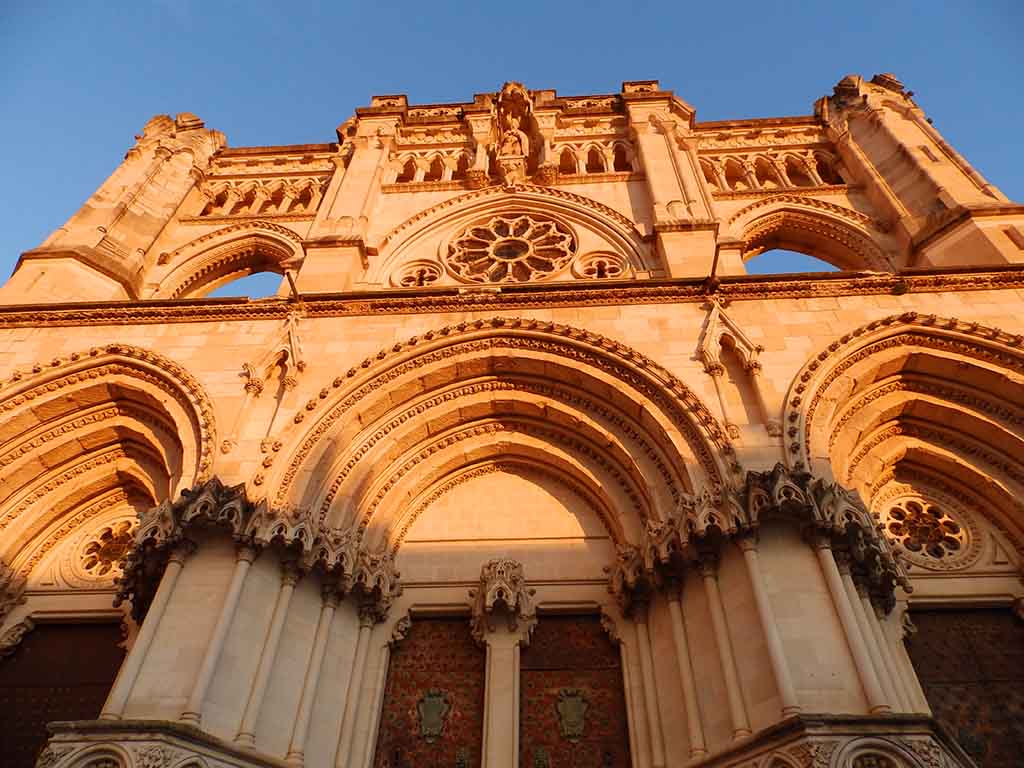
(503, 590)
(748, 540)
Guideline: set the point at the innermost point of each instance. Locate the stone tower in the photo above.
(520, 467)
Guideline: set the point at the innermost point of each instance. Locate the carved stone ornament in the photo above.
(503, 589)
(572, 709)
(511, 249)
(10, 639)
(433, 709)
(339, 555)
(51, 755)
(12, 590)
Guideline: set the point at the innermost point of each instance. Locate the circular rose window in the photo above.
(103, 551)
(930, 534)
(511, 249)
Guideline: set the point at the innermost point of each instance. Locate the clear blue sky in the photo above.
(79, 79)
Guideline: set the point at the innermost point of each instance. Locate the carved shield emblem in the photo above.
(433, 708)
(572, 712)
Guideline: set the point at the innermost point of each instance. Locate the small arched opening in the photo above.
(567, 162)
(621, 159)
(595, 161)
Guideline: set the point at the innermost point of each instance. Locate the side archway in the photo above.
(919, 414)
(844, 238)
(230, 253)
(109, 431)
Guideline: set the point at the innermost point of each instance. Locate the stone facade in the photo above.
(517, 386)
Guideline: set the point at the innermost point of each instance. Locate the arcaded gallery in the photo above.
(520, 466)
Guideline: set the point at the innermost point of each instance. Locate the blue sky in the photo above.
(81, 78)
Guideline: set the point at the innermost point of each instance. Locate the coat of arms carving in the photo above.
(572, 709)
(433, 708)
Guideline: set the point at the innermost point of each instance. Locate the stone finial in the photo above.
(503, 590)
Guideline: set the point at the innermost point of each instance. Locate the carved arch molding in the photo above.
(923, 416)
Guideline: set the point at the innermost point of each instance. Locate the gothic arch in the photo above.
(418, 233)
(77, 429)
(845, 238)
(916, 399)
(225, 255)
(639, 441)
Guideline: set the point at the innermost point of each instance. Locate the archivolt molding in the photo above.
(419, 411)
(702, 432)
(221, 254)
(949, 336)
(855, 218)
(439, 489)
(24, 389)
(630, 487)
(856, 242)
(617, 230)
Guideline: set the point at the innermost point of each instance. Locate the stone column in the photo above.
(643, 641)
(193, 712)
(300, 728)
(247, 729)
(874, 654)
(720, 627)
(113, 709)
(698, 747)
(876, 698)
(776, 653)
(503, 619)
(368, 615)
(875, 618)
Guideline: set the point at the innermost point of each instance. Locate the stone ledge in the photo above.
(810, 740)
(144, 744)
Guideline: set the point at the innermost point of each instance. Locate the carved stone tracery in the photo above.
(511, 249)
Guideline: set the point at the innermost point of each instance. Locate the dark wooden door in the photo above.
(433, 711)
(572, 699)
(57, 672)
(971, 666)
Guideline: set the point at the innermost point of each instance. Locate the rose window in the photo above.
(511, 249)
(104, 551)
(924, 529)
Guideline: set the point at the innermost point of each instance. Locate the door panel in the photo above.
(971, 666)
(57, 672)
(433, 710)
(572, 701)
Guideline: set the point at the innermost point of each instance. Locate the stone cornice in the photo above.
(508, 298)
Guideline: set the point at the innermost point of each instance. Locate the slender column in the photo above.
(874, 617)
(367, 618)
(365, 755)
(501, 697)
(650, 686)
(193, 712)
(297, 744)
(737, 709)
(874, 653)
(876, 699)
(113, 709)
(771, 423)
(637, 749)
(776, 653)
(698, 747)
(247, 729)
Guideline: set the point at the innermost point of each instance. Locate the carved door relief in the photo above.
(971, 666)
(433, 709)
(56, 672)
(572, 700)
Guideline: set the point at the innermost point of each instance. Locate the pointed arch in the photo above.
(81, 427)
(936, 400)
(551, 395)
(845, 238)
(422, 230)
(227, 254)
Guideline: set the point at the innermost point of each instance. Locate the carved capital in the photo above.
(503, 590)
(10, 639)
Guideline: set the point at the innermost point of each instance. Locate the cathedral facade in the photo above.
(520, 467)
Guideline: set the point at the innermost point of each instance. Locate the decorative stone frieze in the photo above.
(503, 589)
(338, 556)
